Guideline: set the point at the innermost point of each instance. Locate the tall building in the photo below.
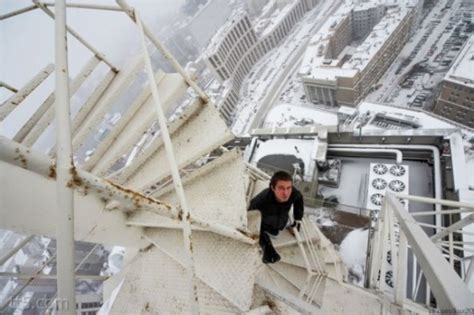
(240, 43)
(456, 100)
(335, 73)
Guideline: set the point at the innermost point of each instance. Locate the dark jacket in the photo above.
(274, 213)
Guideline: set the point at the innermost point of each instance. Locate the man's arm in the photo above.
(298, 206)
(258, 201)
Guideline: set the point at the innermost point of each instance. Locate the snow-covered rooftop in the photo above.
(462, 71)
(216, 40)
(424, 120)
(277, 16)
(379, 35)
(317, 66)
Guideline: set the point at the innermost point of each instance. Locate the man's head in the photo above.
(281, 184)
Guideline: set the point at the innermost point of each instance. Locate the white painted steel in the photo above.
(183, 204)
(218, 261)
(79, 265)
(64, 167)
(125, 175)
(48, 276)
(84, 112)
(449, 290)
(131, 12)
(115, 134)
(199, 130)
(86, 6)
(214, 181)
(9, 105)
(17, 12)
(129, 129)
(121, 83)
(46, 119)
(8, 87)
(161, 291)
(15, 249)
(94, 51)
(288, 298)
(23, 157)
(37, 214)
(443, 202)
(400, 261)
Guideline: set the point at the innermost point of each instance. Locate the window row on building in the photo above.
(236, 49)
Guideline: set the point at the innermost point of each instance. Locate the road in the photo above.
(254, 107)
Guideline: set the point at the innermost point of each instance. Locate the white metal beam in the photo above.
(8, 87)
(78, 37)
(23, 157)
(7, 107)
(15, 249)
(87, 6)
(64, 168)
(47, 119)
(121, 83)
(131, 12)
(17, 12)
(188, 247)
(449, 290)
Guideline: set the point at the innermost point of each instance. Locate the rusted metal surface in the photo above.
(8, 106)
(129, 200)
(65, 244)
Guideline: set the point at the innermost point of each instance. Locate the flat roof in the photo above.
(462, 71)
(217, 39)
(316, 67)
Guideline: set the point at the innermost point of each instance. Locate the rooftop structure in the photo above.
(456, 100)
(334, 73)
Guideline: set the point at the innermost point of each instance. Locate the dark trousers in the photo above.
(269, 252)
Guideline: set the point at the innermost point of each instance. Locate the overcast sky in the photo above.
(27, 40)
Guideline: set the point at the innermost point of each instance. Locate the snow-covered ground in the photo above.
(286, 115)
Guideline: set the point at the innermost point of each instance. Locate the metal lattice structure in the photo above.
(190, 248)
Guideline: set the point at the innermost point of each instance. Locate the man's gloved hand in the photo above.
(297, 225)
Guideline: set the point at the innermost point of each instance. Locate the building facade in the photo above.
(240, 43)
(456, 100)
(335, 73)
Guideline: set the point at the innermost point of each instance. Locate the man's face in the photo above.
(282, 190)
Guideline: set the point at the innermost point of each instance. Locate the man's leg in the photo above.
(269, 253)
